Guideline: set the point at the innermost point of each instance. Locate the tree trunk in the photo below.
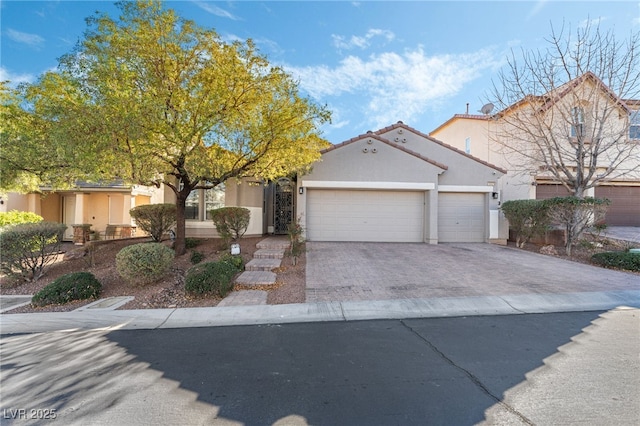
(179, 245)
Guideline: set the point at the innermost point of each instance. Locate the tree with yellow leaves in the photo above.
(157, 100)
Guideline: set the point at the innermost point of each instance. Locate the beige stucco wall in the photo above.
(388, 164)
(14, 201)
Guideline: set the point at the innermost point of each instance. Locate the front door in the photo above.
(283, 206)
(68, 215)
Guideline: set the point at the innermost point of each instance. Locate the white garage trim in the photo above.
(365, 215)
(329, 184)
(464, 188)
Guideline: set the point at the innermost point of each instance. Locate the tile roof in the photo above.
(401, 125)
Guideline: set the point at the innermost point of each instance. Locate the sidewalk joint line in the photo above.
(512, 307)
(475, 380)
(166, 319)
(344, 317)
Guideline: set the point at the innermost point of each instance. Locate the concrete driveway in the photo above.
(384, 271)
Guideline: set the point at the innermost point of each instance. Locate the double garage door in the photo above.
(392, 216)
(358, 215)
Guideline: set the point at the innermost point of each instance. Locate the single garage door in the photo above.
(461, 217)
(357, 215)
(624, 209)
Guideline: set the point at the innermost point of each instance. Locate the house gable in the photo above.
(371, 158)
(464, 169)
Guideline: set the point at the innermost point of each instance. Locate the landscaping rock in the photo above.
(549, 250)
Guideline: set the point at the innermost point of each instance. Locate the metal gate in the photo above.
(283, 206)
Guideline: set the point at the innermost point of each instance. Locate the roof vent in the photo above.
(365, 150)
(374, 150)
(400, 131)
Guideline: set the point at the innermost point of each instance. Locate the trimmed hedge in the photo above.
(213, 278)
(231, 222)
(618, 260)
(527, 218)
(144, 263)
(67, 288)
(155, 219)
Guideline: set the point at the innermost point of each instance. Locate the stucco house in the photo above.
(399, 185)
(393, 185)
(103, 205)
(583, 99)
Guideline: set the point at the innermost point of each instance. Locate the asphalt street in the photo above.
(554, 368)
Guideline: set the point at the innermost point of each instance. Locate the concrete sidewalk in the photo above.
(316, 312)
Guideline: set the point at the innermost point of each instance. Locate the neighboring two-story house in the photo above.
(582, 108)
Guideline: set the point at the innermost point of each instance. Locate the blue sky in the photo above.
(372, 63)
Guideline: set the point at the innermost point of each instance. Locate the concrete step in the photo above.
(262, 264)
(274, 243)
(262, 278)
(245, 298)
(268, 254)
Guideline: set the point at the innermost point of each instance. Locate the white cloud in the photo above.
(25, 38)
(591, 22)
(361, 42)
(215, 10)
(537, 7)
(392, 86)
(15, 79)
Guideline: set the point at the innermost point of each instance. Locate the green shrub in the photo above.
(231, 222)
(213, 278)
(527, 218)
(144, 263)
(618, 259)
(28, 248)
(190, 243)
(196, 257)
(295, 231)
(575, 215)
(15, 217)
(155, 219)
(235, 260)
(67, 288)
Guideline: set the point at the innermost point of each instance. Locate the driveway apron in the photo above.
(383, 271)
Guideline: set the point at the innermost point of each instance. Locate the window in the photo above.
(213, 199)
(192, 208)
(634, 125)
(577, 122)
(467, 145)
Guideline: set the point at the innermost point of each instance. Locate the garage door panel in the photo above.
(624, 209)
(461, 217)
(352, 215)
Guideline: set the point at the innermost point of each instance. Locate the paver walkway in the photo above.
(258, 272)
(385, 271)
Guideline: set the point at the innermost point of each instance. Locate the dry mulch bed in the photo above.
(583, 251)
(166, 293)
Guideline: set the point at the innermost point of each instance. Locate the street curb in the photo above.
(145, 319)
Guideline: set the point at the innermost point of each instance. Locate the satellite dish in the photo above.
(487, 108)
